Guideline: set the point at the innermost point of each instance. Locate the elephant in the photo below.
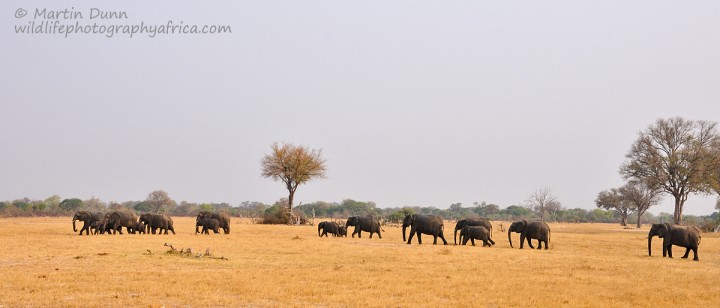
(473, 233)
(222, 217)
(119, 219)
(472, 222)
(328, 227)
(342, 231)
(87, 218)
(157, 221)
(140, 227)
(424, 224)
(207, 224)
(367, 224)
(537, 230)
(683, 236)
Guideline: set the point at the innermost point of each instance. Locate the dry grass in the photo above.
(43, 263)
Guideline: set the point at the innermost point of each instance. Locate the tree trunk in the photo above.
(639, 219)
(290, 200)
(677, 216)
(623, 221)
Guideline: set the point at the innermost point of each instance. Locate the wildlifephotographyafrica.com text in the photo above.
(108, 23)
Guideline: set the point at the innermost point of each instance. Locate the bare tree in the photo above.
(293, 165)
(613, 200)
(159, 198)
(543, 202)
(675, 156)
(641, 196)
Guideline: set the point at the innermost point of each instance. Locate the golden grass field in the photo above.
(43, 263)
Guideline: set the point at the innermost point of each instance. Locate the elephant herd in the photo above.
(470, 229)
(481, 229)
(146, 223)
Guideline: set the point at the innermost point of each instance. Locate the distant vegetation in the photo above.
(258, 211)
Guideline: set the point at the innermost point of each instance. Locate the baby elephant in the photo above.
(328, 227)
(473, 233)
(207, 223)
(342, 231)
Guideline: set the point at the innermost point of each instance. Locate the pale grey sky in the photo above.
(413, 102)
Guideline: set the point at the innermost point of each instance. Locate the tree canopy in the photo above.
(293, 165)
(676, 156)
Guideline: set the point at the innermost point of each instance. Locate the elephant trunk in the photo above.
(74, 228)
(650, 245)
(319, 227)
(455, 236)
(510, 239)
(404, 227)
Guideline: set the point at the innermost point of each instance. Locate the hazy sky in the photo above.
(413, 102)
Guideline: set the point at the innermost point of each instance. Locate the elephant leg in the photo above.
(669, 251)
(687, 252)
(359, 233)
(379, 235)
(371, 233)
(419, 238)
(442, 237)
(491, 241)
(472, 240)
(695, 253)
(540, 242)
(434, 239)
(529, 240)
(522, 240)
(412, 233)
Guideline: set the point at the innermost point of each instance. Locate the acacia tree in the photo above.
(159, 198)
(543, 202)
(675, 156)
(613, 200)
(641, 196)
(293, 165)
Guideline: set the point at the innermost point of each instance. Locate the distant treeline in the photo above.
(56, 206)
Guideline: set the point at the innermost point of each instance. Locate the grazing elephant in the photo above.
(473, 233)
(367, 224)
(537, 230)
(328, 227)
(222, 217)
(472, 222)
(683, 236)
(157, 221)
(424, 224)
(119, 219)
(207, 224)
(342, 231)
(87, 218)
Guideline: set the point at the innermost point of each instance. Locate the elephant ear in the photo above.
(524, 223)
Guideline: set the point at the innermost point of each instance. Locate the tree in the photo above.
(542, 202)
(72, 204)
(159, 199)
(641, 196)
(293, 165)
(675, 156)
(613, 200)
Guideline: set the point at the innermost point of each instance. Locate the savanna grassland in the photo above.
(43, 263)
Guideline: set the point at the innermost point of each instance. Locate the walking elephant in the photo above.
(473, 233)
(472, 222)
(424, 224)
(683, 236)
(157, 221)
(207, 224)
(367, 224)
(535, 230)
(328, 227)
(88, 219)
(119, 219)
(222, 217)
